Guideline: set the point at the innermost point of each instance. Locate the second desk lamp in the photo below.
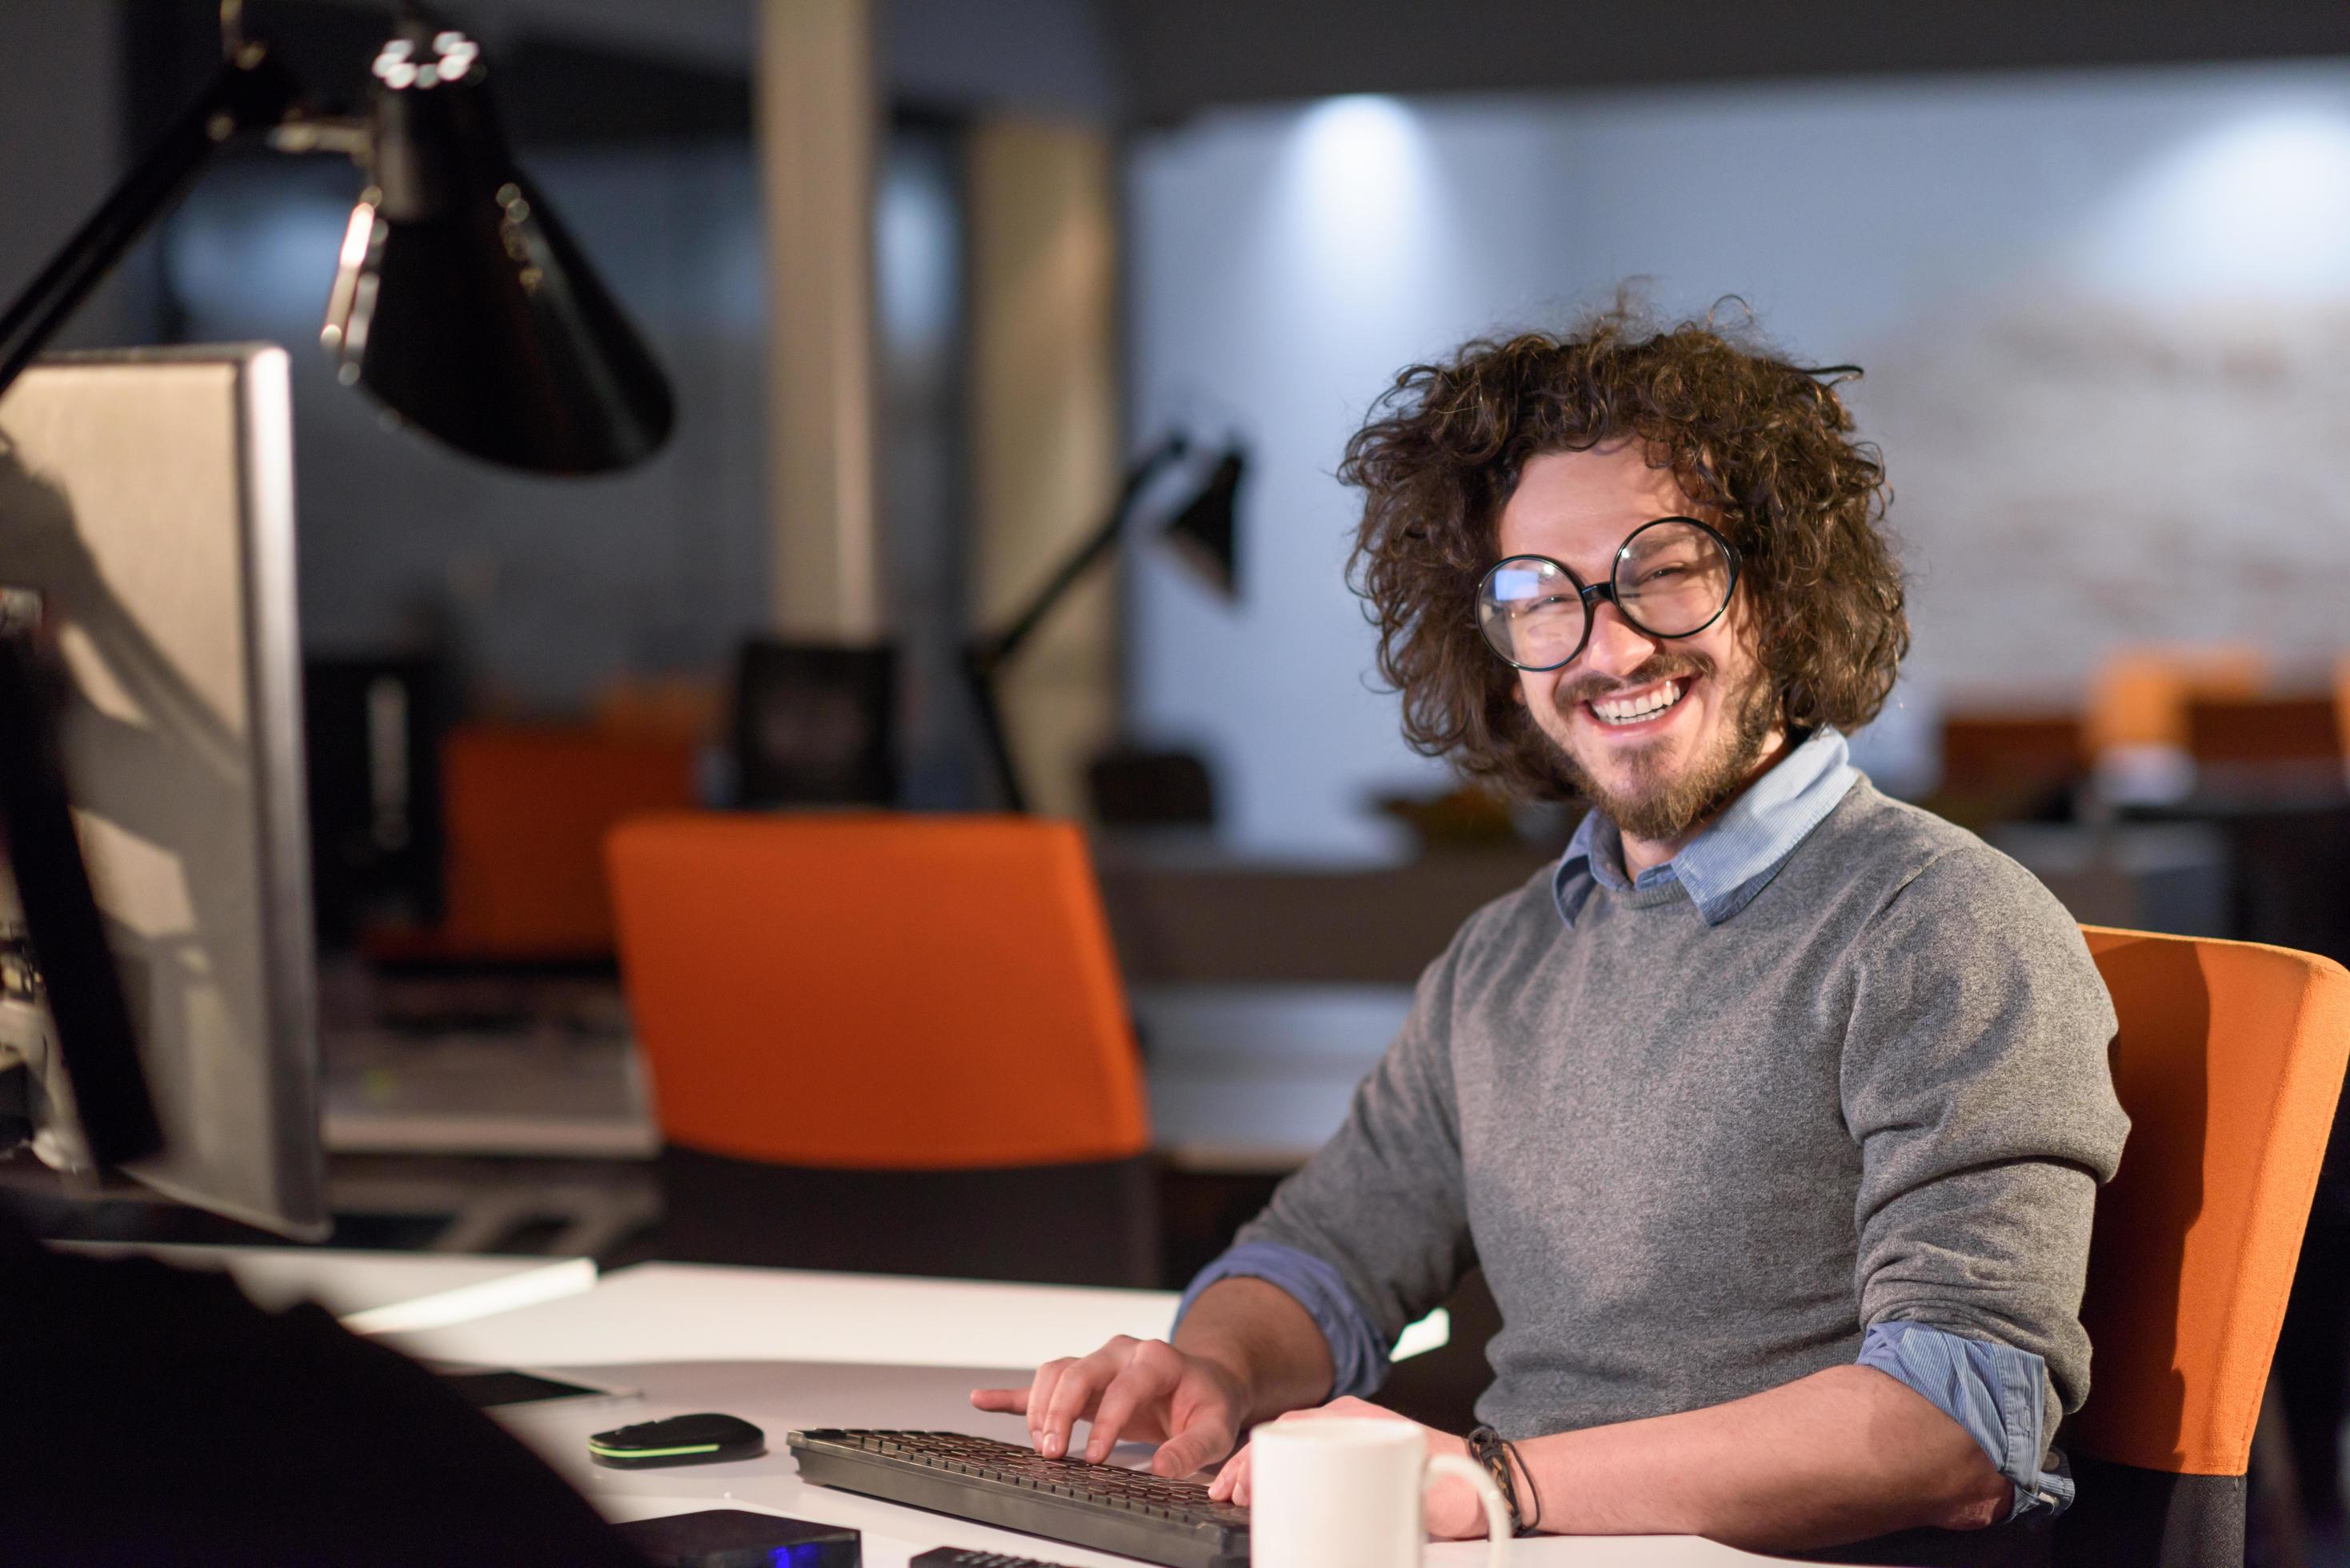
(1203, 530)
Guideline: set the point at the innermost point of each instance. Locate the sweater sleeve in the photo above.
(1976, 1083)
(1381, 1203)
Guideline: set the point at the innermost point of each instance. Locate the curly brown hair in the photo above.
(1762, 446)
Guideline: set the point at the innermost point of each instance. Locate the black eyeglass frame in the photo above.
(1590, 592)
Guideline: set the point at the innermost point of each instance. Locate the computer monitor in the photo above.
(147, 514)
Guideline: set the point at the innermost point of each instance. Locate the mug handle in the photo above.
(1497, 1516)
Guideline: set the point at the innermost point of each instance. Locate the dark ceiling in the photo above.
(570, 75)
(1175, 57)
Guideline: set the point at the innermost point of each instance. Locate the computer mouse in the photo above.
(704, 1438)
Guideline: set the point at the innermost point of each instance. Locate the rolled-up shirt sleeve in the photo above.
(1976, 1085)
(1997, 1392)
(1358, 1356)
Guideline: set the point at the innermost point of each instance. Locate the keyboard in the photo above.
(1105, 1507)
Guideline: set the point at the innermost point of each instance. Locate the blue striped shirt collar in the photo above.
(1736, 854)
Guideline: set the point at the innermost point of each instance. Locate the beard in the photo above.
(1660, 804)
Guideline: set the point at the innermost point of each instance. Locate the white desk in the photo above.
(377, 1292)
(789, 1350)
(654, 1311)
(782, 1397)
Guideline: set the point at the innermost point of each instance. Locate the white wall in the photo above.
(2105, 317)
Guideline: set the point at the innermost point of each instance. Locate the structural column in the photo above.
(819, 118)
(1045, 429)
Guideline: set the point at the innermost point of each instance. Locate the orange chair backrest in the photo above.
(877, 991)
(2139, 697)
(2228, 1061)
(525, 808)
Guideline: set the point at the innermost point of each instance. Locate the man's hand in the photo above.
(1192, 1406)
(1454, 1512)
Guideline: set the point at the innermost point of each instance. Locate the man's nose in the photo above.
(1617, 647)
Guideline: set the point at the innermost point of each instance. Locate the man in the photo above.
(1775, 1112)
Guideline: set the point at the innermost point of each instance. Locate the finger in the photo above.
(1196, 1447)
(1040, 1397)
(1145, 1377)
(1074, 1396)
(1229, 1480)
(1004, 1401)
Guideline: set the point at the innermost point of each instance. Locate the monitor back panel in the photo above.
(148, 497)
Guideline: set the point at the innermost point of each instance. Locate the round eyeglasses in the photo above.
(1671, 578)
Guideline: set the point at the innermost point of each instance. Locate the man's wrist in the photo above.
(1498, 1458)
(1263, 1342)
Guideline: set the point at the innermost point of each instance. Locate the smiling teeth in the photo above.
(1632, 710)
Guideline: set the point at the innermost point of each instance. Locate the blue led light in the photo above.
(806, 1555)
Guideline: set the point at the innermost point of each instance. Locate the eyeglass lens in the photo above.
(1671, 580)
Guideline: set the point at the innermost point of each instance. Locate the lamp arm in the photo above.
(990, 652)
(982, 657)
(251, 91)
(980, 681)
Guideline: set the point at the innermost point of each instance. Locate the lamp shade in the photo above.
(1205, 530)
(461, 305)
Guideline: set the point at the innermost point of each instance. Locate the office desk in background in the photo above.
(1241, 1076)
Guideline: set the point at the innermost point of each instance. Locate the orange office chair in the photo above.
(886, 1043)
(525, 808)
(2228, 1061)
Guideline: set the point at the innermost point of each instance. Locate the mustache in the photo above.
(1660, 666)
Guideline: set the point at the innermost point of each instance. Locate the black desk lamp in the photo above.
(1204, 532)
(460, 304)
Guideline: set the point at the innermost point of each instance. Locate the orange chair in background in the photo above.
(2228, 1060)
(2138, 698)
(885, 1042)
(525, 809)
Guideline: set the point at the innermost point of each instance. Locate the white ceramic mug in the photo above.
(1345, 1492)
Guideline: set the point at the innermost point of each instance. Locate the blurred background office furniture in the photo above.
(2279, 742)
(2009, 766)
(371, 733)
(1135, 788)
(894, 1043)
(2138, 704)
(2229, 1061)
(525, 811)
(1181, 919)
(814, 725)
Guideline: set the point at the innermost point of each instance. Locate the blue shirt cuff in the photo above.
(1358, 1358)
(1998, 1393)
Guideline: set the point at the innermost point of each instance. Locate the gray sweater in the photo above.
(1696, 1161)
